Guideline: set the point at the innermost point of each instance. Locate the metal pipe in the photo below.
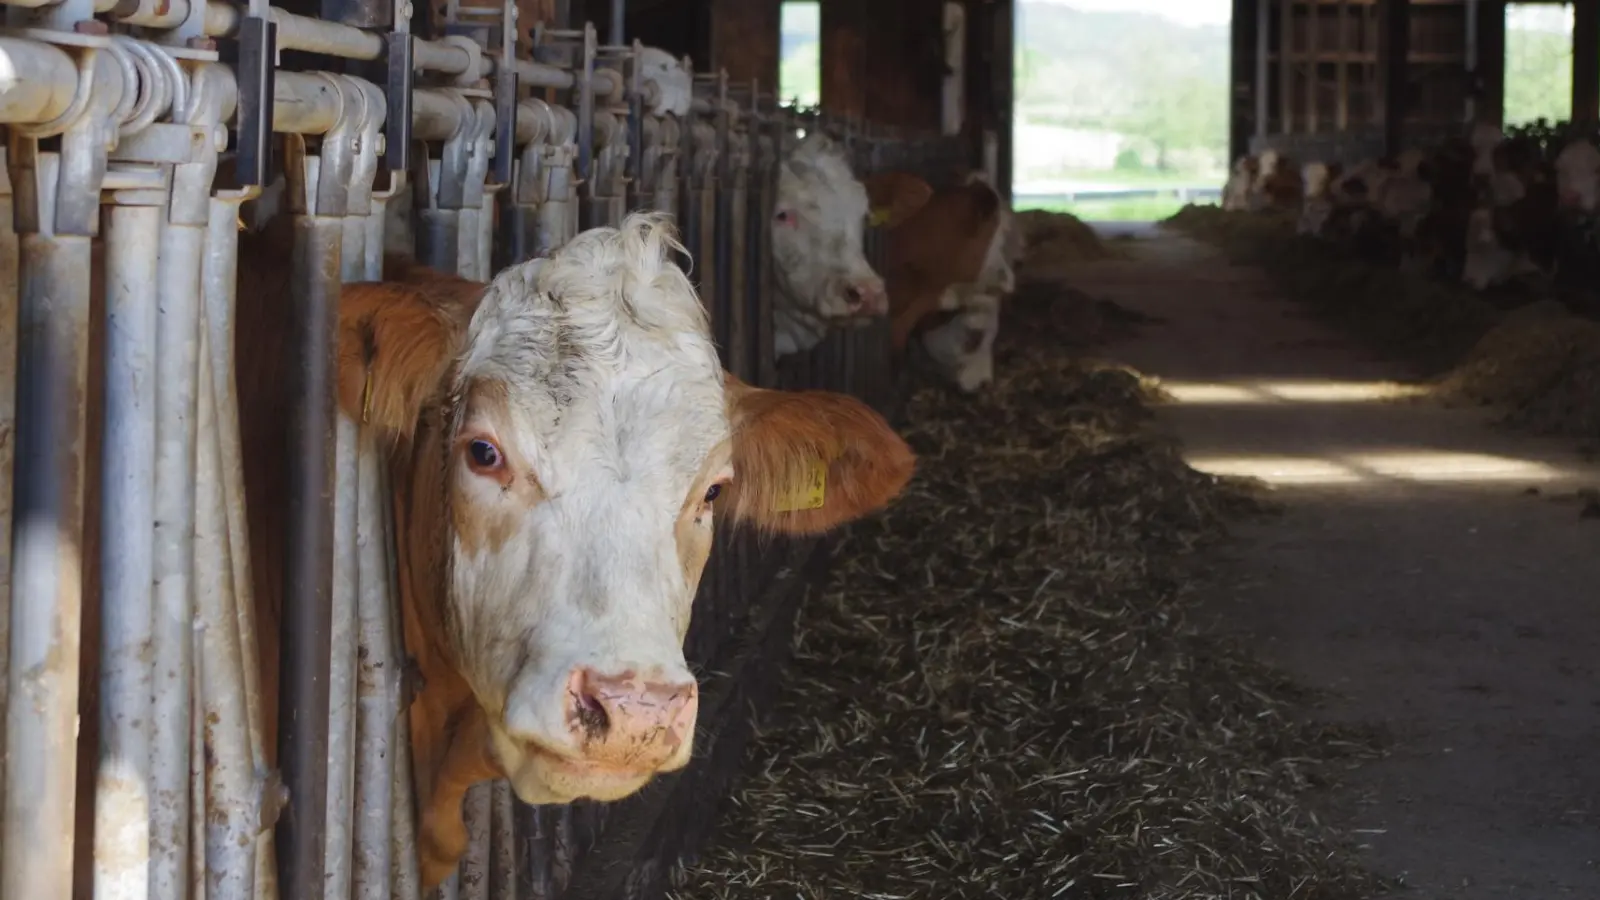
(127, 507)
(9, 251)
(377, 682)
(342, 761)
(342, 665)
(619, 16)
(503, 871)
(303, 730)
(313, 35)
(229, 789)
(485, 239)
(37, 80)
(478, 810)
(177, 365)
(234, 792)
(41, 724)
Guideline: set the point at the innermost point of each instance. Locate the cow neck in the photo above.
(805, 328)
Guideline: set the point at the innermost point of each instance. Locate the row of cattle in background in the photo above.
(1488, 207)
(372, 419)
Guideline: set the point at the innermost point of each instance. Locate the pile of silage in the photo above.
(1540, 364)
(998, 693)
(1054, 237)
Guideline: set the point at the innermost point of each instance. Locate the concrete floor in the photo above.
(1433, 572)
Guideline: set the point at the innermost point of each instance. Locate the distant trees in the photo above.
(1538, 75)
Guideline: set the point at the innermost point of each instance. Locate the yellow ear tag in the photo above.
(878, 217)
(809, 495)
(366, 398)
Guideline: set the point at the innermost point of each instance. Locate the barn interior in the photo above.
(1249, 551)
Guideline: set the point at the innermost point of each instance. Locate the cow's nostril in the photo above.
(852, 296)
(629, 720)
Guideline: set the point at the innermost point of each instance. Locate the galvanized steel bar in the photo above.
(178, 356)
(303, 725)
(41, 83)
(377, 682)
(8, 415)
(234, 709)
(127, 509)
(478, 809)
(41, 717)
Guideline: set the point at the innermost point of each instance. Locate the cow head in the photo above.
(566, 438)
(823, 276)
(1578, 177)
(962, 348)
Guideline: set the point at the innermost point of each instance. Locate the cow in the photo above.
(937, 240)
(823, 278)
(1236, 192)
(1318, 204)
(561, 442)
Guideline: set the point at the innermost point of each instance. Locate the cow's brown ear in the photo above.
(808, 461)
(893, 197)
(397, 340)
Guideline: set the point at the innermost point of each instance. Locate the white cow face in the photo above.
(824, 279)
(963, 348)
(565, 431)
(1487, 262)
(588, 437)
(1578, 176)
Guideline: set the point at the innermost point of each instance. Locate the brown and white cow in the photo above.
(937, 240)
(562, 440)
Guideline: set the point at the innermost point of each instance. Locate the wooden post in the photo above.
(1263, 50)
(1586, 62)
(744, 39)
(1394, 47)
(1341, 114)
(1491, 68)
(1286, 67)
(1242, 86)
(1313, 65)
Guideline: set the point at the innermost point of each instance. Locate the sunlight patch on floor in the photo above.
(1355, 468)
(1258, 391)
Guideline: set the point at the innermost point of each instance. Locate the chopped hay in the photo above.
(1539, 363)
(1542, 365)
(1053, 237)
(998, 693)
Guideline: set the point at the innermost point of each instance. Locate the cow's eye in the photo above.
(486, 457)
(783, 217)
(713, 492)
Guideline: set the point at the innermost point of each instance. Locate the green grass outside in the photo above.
(1134, 209)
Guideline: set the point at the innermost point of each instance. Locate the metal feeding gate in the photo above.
(144, 134)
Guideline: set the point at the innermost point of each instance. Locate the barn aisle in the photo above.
(1440, 576)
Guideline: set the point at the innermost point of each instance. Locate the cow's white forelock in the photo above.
(614, 399)
(819, 253)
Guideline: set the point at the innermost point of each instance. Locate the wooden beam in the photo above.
(1586, 62)
(1286, 57)
(1313, 67)
(1242, 84)
(744, 39)
(1263, 50)
(1394, 48)
(1341, 113)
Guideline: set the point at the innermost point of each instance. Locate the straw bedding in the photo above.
(1538, 363)
(998, 692)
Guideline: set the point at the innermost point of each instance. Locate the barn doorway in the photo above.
(800, 52)
(1121, 106)
(1538, 62)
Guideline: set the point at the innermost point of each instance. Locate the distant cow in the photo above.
(937, 240)
(824, 280)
